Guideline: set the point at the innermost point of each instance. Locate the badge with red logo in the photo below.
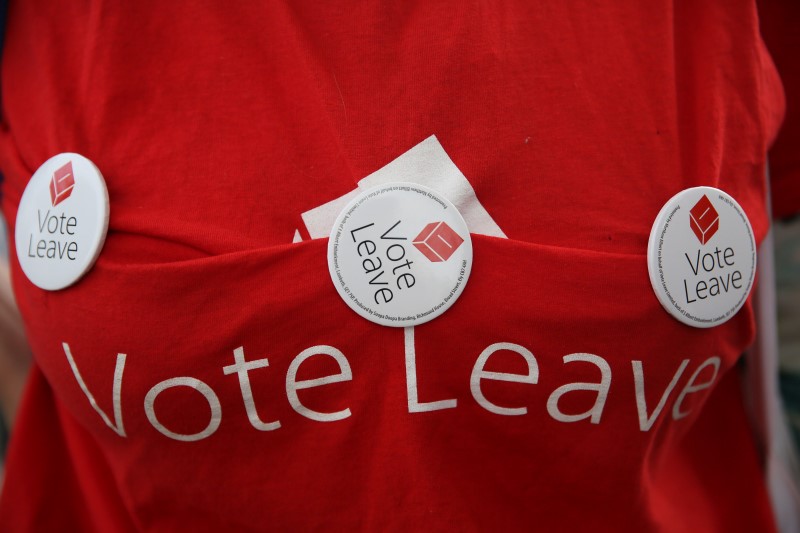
(62, 221)
(399, 254)
(702, 257)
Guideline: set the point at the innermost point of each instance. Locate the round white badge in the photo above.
(702, 257)
(62, 221)
(399, 254)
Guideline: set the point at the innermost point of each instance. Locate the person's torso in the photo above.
(217, 128)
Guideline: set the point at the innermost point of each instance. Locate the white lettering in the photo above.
(478, 373)
(691, 387)
(242, 367)
(602, 390)
(199, 386)
(292, 385)
(119, 369)
(414, 406)
(645, 422)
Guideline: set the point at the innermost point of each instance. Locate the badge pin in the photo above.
(701, 257)
(399, 254)
(62, 221)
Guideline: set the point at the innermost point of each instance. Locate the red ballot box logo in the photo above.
(437, 241)
(704, 219)
(61, 184)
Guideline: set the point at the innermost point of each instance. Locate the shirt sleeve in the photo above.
(779, 21)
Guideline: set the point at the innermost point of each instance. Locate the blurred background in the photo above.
(14, 354)
(787, 267)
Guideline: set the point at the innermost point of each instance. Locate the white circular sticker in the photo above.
(399, 254)
(702, 257)
(62, 221)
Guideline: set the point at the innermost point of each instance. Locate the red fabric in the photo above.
(779, 26)
(216, 127)
(63, 481)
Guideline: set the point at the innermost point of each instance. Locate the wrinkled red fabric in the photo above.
(216, 127)
(779, 27)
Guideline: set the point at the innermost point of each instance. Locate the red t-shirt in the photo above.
(779, 27)
(216, 128)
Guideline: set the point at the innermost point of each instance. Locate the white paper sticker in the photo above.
(425, 164)
(62, 221)
(702, 257)
(399, 254)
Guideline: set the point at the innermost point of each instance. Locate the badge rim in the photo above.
(99, 235)
(332, 241)
(652, 258)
